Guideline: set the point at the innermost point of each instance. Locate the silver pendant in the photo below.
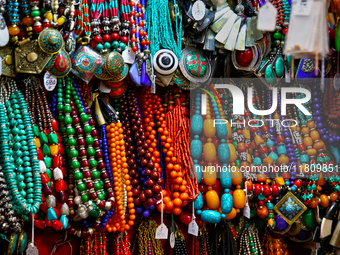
(218, 25)
(225, 31)
(250, 41)
(231, 41)
(241, 39)
(70, 44)
(209, 43)
(4, 35)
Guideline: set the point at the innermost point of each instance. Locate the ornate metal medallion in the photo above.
(29, 58)
(101, 72)
(62, 65)
(114, 63)
(290, 208)
(165, 62)
(122, 75)
(195, 65)
(7, 56)
(179, 79)
(50, 41)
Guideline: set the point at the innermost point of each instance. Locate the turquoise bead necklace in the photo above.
(20, 162)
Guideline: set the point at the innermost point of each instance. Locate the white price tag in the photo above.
(32, 250)
(266, 20)
(172, 240)
(193, 228)
(104, 88)
(162, 232)
(153, 85)
(287, 76)
(129, 56)
(49, 81)
(303, 7)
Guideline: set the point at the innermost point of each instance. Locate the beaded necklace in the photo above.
(83, 26)
(19, 150)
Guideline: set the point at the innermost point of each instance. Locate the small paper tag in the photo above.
(266, 20)
(104, 88)
(129, 56)
(49, 81)
(32, 250)
(162, 232)
(246, 211)
(303, 7)
(193, 228)
(153, 84)
(287, 76)
(172, 240)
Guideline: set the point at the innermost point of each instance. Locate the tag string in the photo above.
(33, 229)
(162, 209)
(59, 244)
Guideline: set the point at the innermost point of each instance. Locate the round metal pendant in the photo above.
(101, 72)
(122, 75)
(62, 65)
(114, 63)
(50, 41)
(195, 65)
(118, 92)
(179, 78)
(165, 62)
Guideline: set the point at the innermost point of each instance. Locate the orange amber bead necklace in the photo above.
(122, 219)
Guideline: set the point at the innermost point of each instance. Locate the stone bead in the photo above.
(208, 128)
(233, 154)
(258, 140)
(311, 152)
(314, 135)
(212, 199)
(13, 30)
(283, 159)
(61, 21)
(239, 198)
(211, 216)
(54, 149)
(37, 142)
(209, 177)
(226, 203)
(236, 175)
(319, 145)
(324, 201)
(27, 21)
(209, 152)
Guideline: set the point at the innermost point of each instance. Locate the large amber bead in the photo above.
(283, 159)
(49, 16)
(307, 141)
(230, 131)
(324, 201)
(231, 215)
(13, 30)
(261, 177)
(318, 145)
(208, 128)
(54, 149)
(311, 152)
(246, 134)
(311, 124)
(209, 176)
(279, 181)
(27, 21)
(213, 201)
(209, 152)
(258, 140)
(236, 175)
(233, 155)
(268, 160)
(314, 135)
(239, 198)
(305, 130)
(37, 142)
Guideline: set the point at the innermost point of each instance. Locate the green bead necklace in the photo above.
(19, 156)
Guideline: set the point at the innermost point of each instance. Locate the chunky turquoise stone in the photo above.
(281, 150)
(269, 75)
(64, 220)
(221, 129)
(196, 124)
(51, 215)
(304, 158)
(273, 156)
(279, 67)
(270, 143)
(270, 206)
(196, 149)
(211, 216)
(226, 179)
(198, 203)
(226, 203)
(257, 161)
(223, 152)
(198, 172)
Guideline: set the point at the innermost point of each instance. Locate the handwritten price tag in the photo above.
(162, 232)
(129, 56)
(193, 228)
(49, 81)
(32, 250)
(172, 240)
